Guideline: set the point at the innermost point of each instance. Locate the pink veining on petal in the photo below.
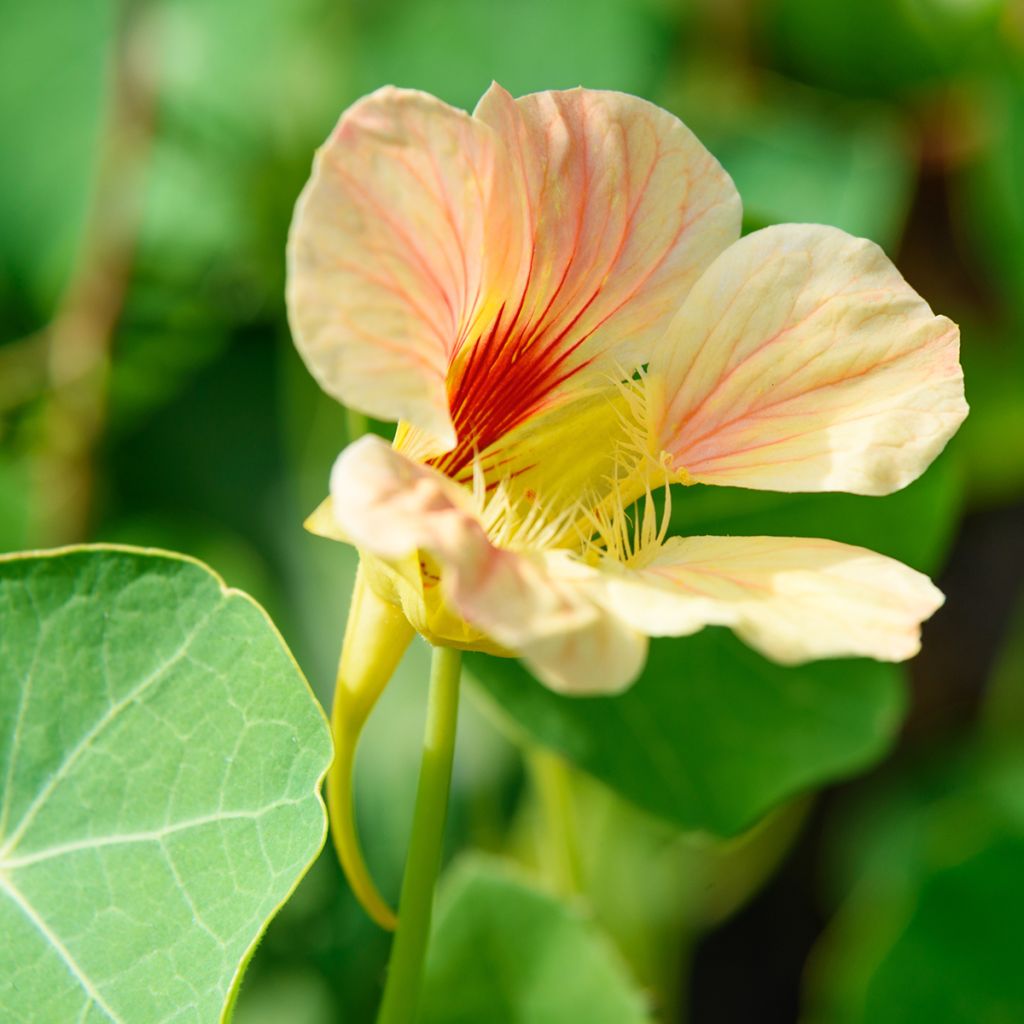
(803, 361)
(460, 272)
(620, 207)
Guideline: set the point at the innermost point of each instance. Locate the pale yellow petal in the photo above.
(322, 522)
(544, 608)
(392, 252)
(802, 361)
(792, 599)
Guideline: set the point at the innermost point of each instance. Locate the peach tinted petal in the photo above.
(391, 506)
(792, 599)
(536, 605)
(802, 361)
(603, 657)
(622, 210)
(542, 607)
(393, 248)
(619, 209)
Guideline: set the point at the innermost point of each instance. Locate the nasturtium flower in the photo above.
(552, 299)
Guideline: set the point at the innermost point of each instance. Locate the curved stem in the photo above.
(341, 814)
(408, 952)
(376, 636)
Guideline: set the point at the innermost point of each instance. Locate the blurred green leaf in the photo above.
(879, 47)
(154, 364)
(270, 73)
(934, 924)
(15, 503)
(960, 952)
(54, 70)
(801, 156)
(652, 888)
(993, 361)
(989, 198)
(297, 996)
(162, 758)
(712, 736)
(455, 48)
(503, 951)
(247, 90)
(1003, 712)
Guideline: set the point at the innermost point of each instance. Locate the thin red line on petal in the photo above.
(506, 378)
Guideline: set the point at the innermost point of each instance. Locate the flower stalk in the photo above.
(558, 837)
(376, 637)
(408, 952)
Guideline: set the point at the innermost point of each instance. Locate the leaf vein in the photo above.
(51, 937)
(110, 716)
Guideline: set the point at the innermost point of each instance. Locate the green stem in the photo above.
(559, 840)
(408, 951)
(356, 424)
(376, 636)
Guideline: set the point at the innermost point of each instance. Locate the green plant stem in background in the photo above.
(558, 838)
(408, 951)
(356, 424)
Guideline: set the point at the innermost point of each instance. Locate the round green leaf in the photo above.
(160, 758)
(504, 952)
(712, 736)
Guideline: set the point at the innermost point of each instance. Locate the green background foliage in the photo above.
(480, 969)
(149, 395)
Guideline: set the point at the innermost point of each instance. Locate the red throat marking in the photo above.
(507, 376)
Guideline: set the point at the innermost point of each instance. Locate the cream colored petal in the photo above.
(391, 254)
(792, 599)
(802, 361)
(542, 607)
(464, 273)
(391, 506)
(537, 605)
(621, 209)
(604, 657)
